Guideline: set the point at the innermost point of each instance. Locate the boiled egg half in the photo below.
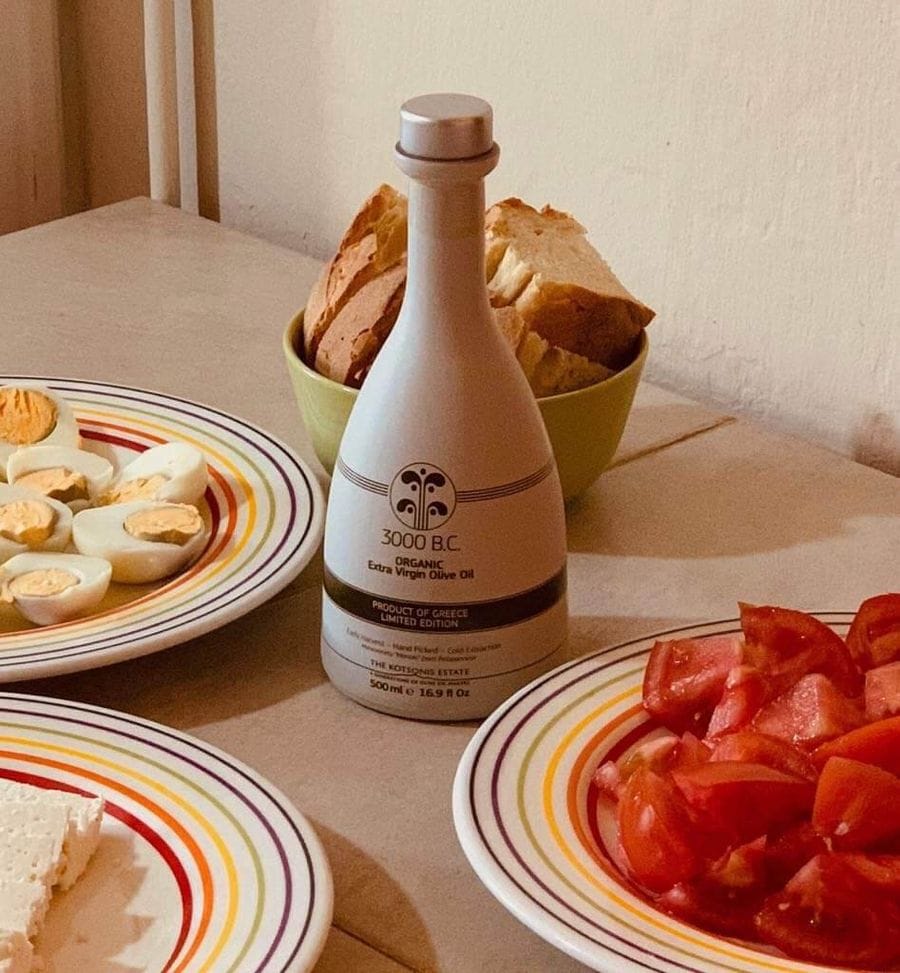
(52, 588)
(32, 414)
(172, 472)
(72, 476)
(31, 521)
(144, 540)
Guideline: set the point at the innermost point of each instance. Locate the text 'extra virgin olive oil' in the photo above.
(445, 547)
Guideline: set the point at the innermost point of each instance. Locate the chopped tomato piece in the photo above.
(727, 911)
(809, 714)
(661, 754)
(746, 691)
(684, 678)
(752, 747)
(788, 852)
(882, 871)
(878, 744)
(874, 636)
(832, 912)
(857, 805)
(883, 691)
(789, 644)
(743, 800)
(690, 752)
(612, 775)
(727, 895)
(656, 832)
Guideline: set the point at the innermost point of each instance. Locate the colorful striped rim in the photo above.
(525, 810)
(266, 513)
(254, 891)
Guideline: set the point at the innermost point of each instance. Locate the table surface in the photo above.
(698, 510)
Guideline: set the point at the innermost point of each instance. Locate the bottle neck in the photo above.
(446, 246)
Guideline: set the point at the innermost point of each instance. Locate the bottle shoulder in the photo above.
(461, 408)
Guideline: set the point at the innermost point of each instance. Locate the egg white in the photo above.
(100, 532)
(64, 433)
(93, 575)
(97, 471)
(62, 528)
(183, 466)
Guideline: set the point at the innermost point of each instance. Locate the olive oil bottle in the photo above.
(445, 548)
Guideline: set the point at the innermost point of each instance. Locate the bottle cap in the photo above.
(444, 127)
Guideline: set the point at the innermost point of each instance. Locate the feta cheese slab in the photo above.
(16, 953)
(46, 840)
(85, 815)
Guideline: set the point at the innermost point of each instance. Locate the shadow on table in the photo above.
(265, 657)
(363, 888)
(732, 492)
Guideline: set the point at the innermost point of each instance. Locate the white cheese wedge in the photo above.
(46, 839)
(16, 953)
(84, 816)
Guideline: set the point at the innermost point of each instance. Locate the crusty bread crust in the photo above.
(358, 330)
(542, 263)
(568, 319)
(374, 242)
(549, 370)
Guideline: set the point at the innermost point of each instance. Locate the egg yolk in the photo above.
(57, 482)
(26, 416)
(175, 524)
(140, 488)
(27, 521)
(40, 583)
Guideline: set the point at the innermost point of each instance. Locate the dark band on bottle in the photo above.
(445, 619)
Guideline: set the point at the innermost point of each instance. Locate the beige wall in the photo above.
(32, 154)
(735, 161)
(73, 127)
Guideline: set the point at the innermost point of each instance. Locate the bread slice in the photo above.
(374, 242)
(549, 370)
(359, 329)
(541, 263)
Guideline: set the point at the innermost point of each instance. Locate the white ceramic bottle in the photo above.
(445, 548)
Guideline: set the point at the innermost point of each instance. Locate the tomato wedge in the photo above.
(883, 691)
(831, 912)
(727, 895)
(746, 691)
(656, 832)
(743, 800)
(789, 644)
(809, 714)
(874, 635)
(752, 747)
(788, 852)
(684, 678)
(878, 744)
(661, 754)
(857, 805)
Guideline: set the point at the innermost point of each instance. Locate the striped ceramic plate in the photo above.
(264, 506)
(526, 814)
(202, 865)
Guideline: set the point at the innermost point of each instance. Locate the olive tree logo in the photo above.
(422, 496)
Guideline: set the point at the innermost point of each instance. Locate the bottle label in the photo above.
(440, 601)
(416, 616)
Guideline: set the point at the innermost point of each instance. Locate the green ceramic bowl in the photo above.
(584, 426)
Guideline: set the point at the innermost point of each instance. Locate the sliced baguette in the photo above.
(374, 242)
(541, 263)
(359, 329)
(549, 370)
